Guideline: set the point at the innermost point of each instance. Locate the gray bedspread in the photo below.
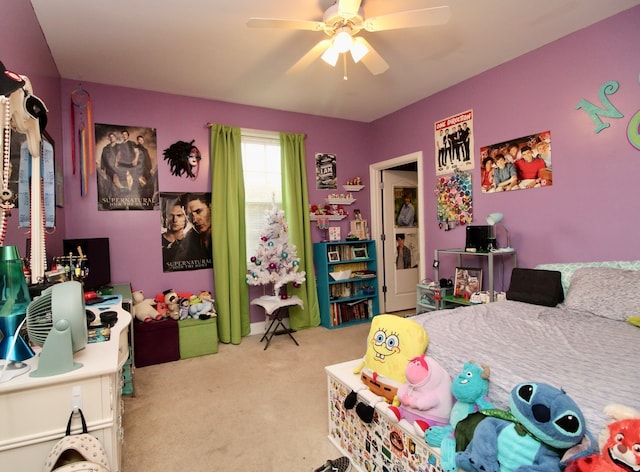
(594, 359)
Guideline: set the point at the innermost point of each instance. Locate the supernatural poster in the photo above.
(127, 169)
(186, 231)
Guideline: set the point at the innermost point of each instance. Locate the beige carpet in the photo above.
(242, 409)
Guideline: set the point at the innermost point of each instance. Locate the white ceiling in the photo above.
(203, 48)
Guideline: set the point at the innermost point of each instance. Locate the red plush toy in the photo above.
(619, 444)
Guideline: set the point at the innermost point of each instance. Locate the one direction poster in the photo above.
(186, 231)
(517, 164)
(127, 169)
(454, 143)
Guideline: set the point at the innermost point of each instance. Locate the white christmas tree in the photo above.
(276, 261)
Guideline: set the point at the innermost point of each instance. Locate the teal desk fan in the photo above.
(57, 321)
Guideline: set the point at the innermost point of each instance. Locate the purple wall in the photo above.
(590, 212)
(134, 236)
(20, 32)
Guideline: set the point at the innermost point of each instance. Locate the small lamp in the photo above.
(493, 219)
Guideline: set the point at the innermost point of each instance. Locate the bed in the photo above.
(589, 345)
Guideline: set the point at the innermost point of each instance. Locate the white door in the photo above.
(401, 238)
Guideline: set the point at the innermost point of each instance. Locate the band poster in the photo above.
(326, 175)
(517, 164)
(454, 143)
(127, 169)
(186, 231)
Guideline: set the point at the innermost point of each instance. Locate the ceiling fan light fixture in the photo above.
(330, 56)
(358, 50)
(343, 40)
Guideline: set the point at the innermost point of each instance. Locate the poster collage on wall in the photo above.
(516, 164)
(127, 179)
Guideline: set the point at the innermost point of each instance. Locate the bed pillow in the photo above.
(538, 287)
(605, 291)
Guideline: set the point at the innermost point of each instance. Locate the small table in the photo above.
(275, 307)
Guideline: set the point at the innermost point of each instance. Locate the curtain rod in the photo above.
(253, 131)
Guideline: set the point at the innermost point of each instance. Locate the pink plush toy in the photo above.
(425, 399)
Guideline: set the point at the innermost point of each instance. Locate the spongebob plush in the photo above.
(392, 342)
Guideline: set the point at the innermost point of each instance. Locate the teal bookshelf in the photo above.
(351, 300)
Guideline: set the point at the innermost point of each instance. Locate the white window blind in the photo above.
(262, 181)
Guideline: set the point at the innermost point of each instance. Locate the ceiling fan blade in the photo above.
(314, 53)
(348, 8)
(409, 19)
(285, 24)
(372, 60)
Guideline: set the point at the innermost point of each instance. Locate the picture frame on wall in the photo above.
(467, 281)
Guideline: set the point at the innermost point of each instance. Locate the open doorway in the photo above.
(397, 180)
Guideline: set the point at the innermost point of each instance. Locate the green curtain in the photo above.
(295, 203)
(228, 234)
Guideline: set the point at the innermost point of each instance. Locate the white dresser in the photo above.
(34, 411)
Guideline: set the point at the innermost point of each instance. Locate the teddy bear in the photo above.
(543, 429)
(172, 301)
(469, 389)
(201, 306)
(143, 308)
(425, 399)
(619, 444)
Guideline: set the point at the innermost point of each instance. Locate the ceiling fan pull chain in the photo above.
(344, 64)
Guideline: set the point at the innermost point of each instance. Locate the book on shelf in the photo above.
(364, 273)
(350, 311)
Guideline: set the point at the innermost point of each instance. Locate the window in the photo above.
(262, 181)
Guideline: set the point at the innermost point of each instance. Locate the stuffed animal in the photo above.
(184, 308)
(619, 444)
(469, 388)
(425, 399)
(201, 306)
(541, 431)
(392, 342)
(172, 300)
(143, 308)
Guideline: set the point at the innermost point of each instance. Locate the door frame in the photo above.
(375, 178)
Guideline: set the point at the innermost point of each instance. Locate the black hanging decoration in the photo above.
(183, 158)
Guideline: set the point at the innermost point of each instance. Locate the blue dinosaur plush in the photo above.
(542, 430)
(470, 389)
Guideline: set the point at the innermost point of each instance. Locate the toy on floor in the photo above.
(202, 306)
(470, 389)
(171, 299)
(425, 399)
(144, 308)
(619, 444)
(541, 431)
(391, 343)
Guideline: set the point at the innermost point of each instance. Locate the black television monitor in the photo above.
(480, 238)
(98, 259)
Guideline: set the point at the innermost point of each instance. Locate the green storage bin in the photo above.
(198, 337)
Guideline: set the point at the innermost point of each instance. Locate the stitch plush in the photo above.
(619, 444)
(425, 398)
(469, 388)
(538, 433)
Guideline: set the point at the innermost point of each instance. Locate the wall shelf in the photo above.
(328, 217)
(340, 201)
(352, 188)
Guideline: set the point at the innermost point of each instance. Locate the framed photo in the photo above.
(468, 280)
(360, 253)
(333, 256)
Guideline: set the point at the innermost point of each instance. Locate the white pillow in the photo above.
(605, 291)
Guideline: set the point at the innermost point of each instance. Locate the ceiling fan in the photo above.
(342, 22)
